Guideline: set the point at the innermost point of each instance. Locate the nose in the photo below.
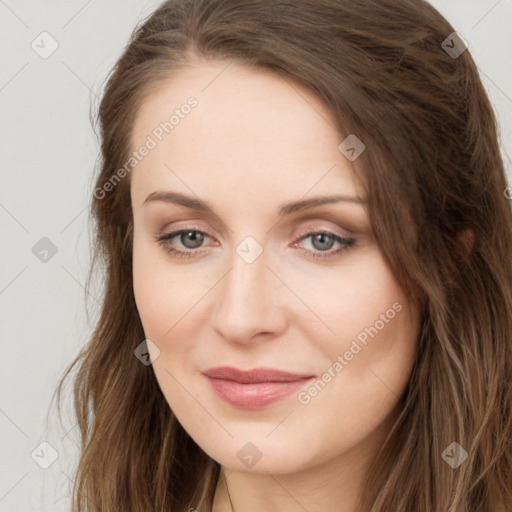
(249, 302)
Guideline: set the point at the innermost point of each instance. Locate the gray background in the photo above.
(48, 153)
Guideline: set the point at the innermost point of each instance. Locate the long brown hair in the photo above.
(436, 185)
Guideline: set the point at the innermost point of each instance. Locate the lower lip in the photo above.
(256, 395)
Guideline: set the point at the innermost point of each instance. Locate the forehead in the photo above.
(249, 129)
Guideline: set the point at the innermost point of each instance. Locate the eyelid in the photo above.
(188, 227)
(320, 228)
(303, 232)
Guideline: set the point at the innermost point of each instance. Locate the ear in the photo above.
(467, 238)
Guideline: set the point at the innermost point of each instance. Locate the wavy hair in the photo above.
(436, 187)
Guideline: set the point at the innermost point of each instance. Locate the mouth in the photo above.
(254, 389)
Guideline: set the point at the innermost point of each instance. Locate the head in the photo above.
(394, 300)
(245, 284)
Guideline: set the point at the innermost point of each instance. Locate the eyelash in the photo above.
(321, 255)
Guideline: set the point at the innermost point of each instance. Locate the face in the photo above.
(235, 265)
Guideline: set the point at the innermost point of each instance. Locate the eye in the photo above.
(323, 241)
(190, 239)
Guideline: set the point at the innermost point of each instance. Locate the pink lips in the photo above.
(255, 388)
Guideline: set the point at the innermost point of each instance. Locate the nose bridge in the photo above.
(246, 299)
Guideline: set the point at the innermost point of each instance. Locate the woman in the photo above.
(302, 213)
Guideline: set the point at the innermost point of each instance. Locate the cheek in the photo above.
(156, 298)
(163, 295)
(345, 300)
(367, 364)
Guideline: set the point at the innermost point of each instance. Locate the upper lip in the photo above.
(254, 375)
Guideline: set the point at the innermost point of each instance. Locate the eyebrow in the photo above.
(284, 209)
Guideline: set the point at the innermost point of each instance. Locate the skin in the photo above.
(254, 142)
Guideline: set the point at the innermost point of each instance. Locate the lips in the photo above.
(256, 388)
